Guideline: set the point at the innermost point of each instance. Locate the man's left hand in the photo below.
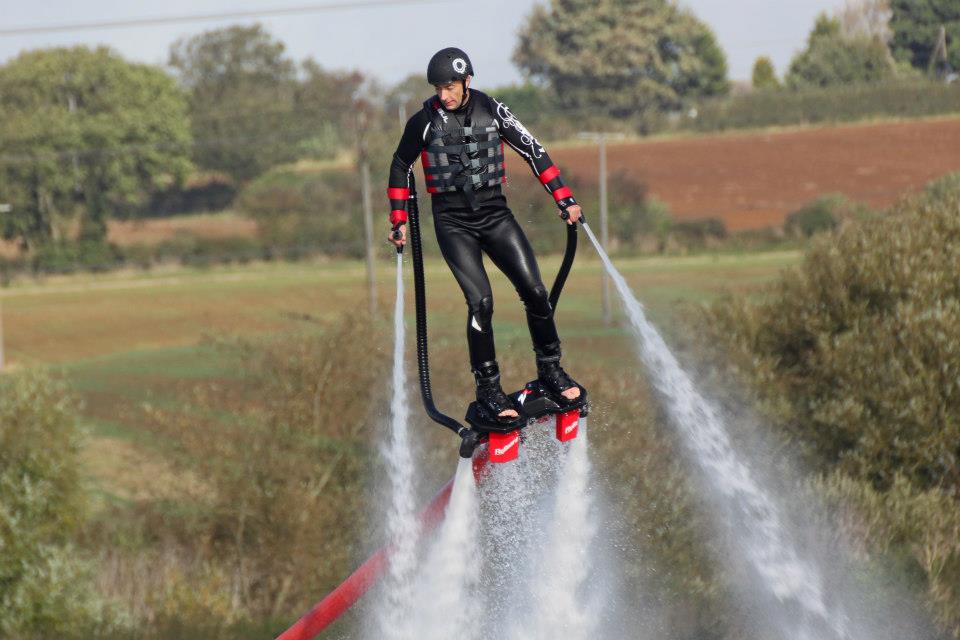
(573, 212)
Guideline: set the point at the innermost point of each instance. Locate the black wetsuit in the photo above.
(475, 218)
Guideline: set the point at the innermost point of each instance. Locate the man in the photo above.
(459, 135)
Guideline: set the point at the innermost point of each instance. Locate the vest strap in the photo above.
(437, 146)
(455, 181)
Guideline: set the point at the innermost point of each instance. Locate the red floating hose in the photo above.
(324, 613)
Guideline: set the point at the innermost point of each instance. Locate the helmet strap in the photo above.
(466, 94)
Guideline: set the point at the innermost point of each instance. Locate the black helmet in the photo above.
(448, 65)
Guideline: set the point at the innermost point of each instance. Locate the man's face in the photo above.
(451, 93)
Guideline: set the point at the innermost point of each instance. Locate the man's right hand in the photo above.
(402, 228)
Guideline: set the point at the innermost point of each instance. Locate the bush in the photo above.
(854, 357)
(899, 98)
(45, 588)
(824, 214)
(698, 233)
(200, 252)
(812, 218)
(285, 459)
(911, 531)
(307, 212)
(70, 257)
(211, 192)
(858, 343)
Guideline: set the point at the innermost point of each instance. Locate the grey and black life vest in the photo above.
(466, 157)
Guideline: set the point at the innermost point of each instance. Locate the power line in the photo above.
(200, 17)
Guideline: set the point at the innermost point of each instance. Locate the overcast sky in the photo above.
(391, 42)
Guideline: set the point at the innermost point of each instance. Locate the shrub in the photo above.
(200, 252)
(698, 233)
(812, 218)
(853, 357)
(210, 192)
(45, 588)
(307, 212)
(824, 214)
(858, 346)
(912, 531)
(70, 257)
(285, 460)
(908, 98)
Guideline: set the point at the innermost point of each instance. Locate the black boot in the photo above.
(490, 395)
(552, 376)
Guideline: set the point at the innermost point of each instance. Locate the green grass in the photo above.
(128, 341)
(125, 340)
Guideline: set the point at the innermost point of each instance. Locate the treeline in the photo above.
(89, 137)
(291, 225)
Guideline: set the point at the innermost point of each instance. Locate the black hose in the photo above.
(568, 255)
(419, 287)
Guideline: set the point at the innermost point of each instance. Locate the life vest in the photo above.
(462, 158)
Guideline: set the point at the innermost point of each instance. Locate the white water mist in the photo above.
(447, 601)
(402, 527)
(763, 541)
(564, 560)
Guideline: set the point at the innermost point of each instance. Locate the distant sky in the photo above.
(392, 42)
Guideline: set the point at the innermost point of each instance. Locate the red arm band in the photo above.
(549, 174)
(398, 193)
(397, 216)
(561, 193)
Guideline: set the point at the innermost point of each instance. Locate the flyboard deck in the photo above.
(536, 406)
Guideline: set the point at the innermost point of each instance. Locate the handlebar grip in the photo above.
(566, 216)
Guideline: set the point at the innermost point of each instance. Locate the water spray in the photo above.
(564, 561)
(447, 604)
(402, 526)
(764, 541)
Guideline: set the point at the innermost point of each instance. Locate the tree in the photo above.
(325, 103)
(916, 26)
(84, 131)
(242, 99)
(621, 57)
(866, 19)
(832, 59)
(764, 75)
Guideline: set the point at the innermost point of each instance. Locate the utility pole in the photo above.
(939, 54)
(604, 226)
(367, 209)
(2, 363)
(601, 139)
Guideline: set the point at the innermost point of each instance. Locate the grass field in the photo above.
(127, 340)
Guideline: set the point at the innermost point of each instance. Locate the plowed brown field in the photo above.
(753, 180)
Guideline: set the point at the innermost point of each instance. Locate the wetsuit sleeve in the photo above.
(523, 142)
(398, 186)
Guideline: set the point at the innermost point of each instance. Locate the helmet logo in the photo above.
(459, 65)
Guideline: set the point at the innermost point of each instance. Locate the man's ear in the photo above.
(466, 82)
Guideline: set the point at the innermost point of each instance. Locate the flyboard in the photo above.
(537, 407)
